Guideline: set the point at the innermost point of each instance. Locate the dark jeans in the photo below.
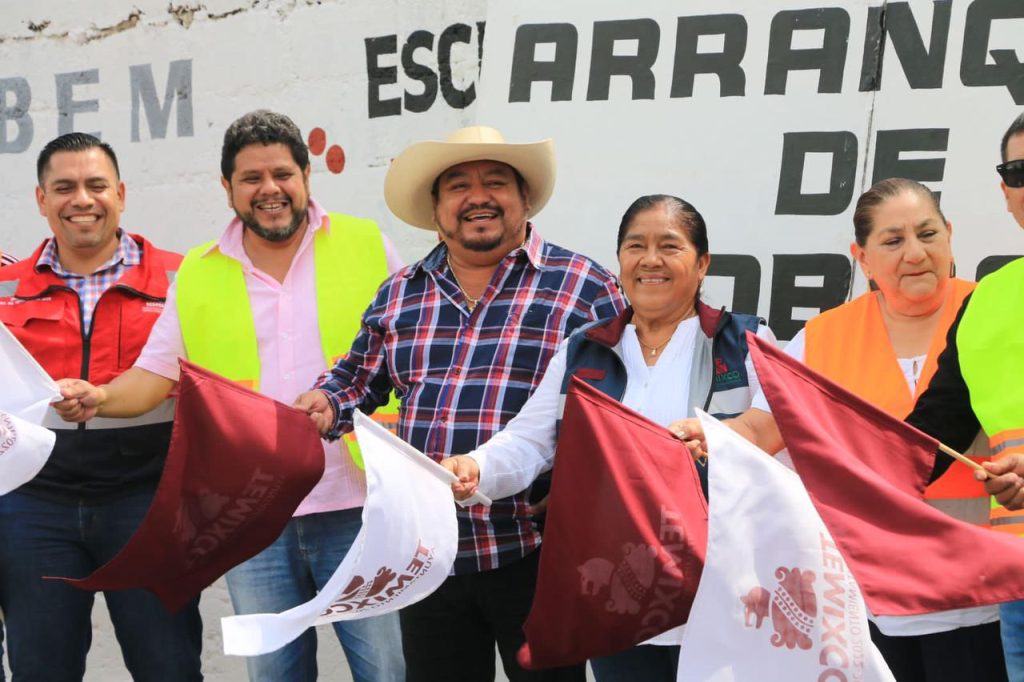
(48, 622)
(645, 662)
(451, 634)
(974, 653)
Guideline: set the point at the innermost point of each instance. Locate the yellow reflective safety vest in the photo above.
(217, 324)
(990, 345)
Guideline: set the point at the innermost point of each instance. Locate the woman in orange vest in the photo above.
(883, 346)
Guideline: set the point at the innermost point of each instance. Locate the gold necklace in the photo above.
(470, 301)
(654, 349)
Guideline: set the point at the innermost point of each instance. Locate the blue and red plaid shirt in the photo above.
(90, 287)
(461, 375)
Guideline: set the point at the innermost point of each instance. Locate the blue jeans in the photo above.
(648, 662)
(1011, 623)
(289, 573)
(48, 622)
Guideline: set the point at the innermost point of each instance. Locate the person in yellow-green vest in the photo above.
(272, 304)
(979, 380)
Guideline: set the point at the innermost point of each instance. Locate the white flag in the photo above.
(26, 395)
(776, 601)
(403, 552)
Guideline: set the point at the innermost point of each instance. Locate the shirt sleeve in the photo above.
(609, 301)
(165, 345)
(525, 448)
(794, 349)
(944, 410)
(360, 378)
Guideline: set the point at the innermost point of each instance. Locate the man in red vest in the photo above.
(83, 305)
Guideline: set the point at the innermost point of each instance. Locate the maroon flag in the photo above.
(238, 466)
(866, 472)
(625, 536)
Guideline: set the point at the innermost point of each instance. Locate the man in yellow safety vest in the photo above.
(272, 304)
(978, 382)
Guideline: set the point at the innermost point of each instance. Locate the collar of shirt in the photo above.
(532, 248)
(127, 254)
(230, 243)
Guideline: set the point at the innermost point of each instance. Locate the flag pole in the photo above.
(962, 458)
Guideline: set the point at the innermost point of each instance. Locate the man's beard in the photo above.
(467, 241)
(272, 235)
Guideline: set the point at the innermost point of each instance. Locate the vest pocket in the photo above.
(40, 327)
(20, 314)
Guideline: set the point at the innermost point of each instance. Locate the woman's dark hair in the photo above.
(878, 194)
(682, 213)
(686, 217)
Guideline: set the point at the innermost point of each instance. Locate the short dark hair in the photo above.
(262, 127)
(73, 142)
(878, 194)
(435, 188)
(1015, 128)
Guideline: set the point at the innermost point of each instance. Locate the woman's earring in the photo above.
(952, 268)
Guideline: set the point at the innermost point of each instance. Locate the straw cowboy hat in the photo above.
(413, 172)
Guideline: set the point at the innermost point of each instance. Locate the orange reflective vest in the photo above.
(850, 345)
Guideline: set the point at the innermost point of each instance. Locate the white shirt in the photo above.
(525, 448)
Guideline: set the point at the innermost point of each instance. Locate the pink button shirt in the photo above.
(288, 338)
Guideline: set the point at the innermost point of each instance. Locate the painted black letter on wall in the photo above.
(725, 64)
(604, 63)
(842, 145)
(835, 271)
(829, 59)
(526, 70)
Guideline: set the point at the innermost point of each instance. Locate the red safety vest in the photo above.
(43, 314)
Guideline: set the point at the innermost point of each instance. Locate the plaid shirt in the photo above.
(462, 376)
(90, 287)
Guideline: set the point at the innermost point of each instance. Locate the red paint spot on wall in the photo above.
(335, 159)
(317, 141)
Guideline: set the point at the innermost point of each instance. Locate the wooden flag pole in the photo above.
(962, 458)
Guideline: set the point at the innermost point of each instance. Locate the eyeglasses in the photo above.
(1012, 172)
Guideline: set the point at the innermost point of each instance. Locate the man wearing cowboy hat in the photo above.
(464, 336)
(251, 306)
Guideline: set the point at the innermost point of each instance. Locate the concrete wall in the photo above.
(772, 153)
(769, 117)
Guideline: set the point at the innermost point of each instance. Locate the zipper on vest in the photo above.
(86, 341)
(131, 290)
(87, 336)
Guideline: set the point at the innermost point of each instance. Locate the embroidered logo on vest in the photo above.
(723, 374)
